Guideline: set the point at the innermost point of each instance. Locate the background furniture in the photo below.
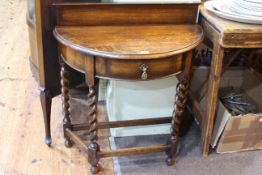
(221, 34)
(43, 58)
(102, 41)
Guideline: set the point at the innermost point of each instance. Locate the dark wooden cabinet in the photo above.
(43, 59)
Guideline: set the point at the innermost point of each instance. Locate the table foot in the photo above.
(94, 169)
(93, 159)
(170, 161)
(48, 141)
(69, 143)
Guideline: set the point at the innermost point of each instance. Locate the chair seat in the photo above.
(131, 42)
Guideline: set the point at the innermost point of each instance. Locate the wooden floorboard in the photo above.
(22, 151)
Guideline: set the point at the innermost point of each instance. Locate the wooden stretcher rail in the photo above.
(133, 151)
(76, 140)
(118, 152)
(127, 123)
(88, 14)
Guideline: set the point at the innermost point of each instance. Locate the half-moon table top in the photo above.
(131, 42)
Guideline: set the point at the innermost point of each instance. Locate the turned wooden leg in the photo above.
(180, 103)
(46, 102)
(66, 105)
(179, 106)
(93, 147)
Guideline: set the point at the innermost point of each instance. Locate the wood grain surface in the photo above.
(234, 34)
(22, 149)
(86, 14)
(131, 42)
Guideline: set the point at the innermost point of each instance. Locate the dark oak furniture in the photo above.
(133, 42)
(222, 34)
(43, 58)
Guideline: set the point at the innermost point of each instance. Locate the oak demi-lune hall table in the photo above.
(130, 53)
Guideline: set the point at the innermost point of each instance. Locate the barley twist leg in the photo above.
(65, 101)
(179, 106)
(93, 147)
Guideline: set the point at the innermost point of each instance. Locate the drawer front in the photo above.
(138, 69)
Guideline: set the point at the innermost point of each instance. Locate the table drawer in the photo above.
(138, 69)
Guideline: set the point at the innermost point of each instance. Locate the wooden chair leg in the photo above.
(66, 105)
(179, 106)
(46, 102)
(93, 147)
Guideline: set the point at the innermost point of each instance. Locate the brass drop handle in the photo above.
(144, 68)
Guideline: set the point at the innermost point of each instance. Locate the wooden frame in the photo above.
(222, 34)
